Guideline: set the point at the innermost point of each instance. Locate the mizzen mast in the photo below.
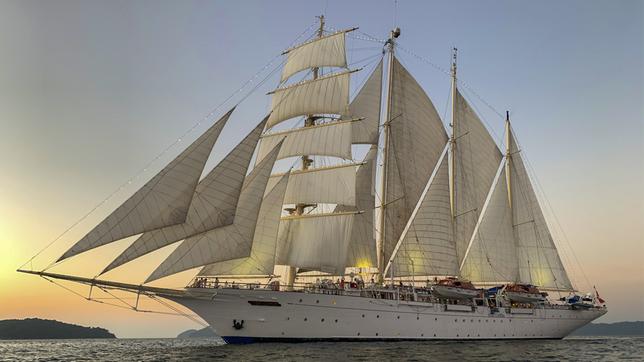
(508, 157)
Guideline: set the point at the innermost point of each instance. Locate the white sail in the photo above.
(228, 242)
(362, 247)
(315, 241)
(262, 254)
(366, 105)
(539, 262)
(328, 51)
(213, 205)
(325, 95)
(416, 140)
(426, 246)
(328, 139)
(162, 201)
(492, 257)
(477, 159)
(324, 185)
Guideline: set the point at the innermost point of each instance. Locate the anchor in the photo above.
(238, 325)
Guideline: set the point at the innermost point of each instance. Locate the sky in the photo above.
(92, 91)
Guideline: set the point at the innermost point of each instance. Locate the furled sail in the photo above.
(213, 205)
(416, 139)
(315, 241)
(228, 242)
(492, 257)
(262, 254)
(328, 51)
(366, 105)
(426, 246)
(325, 95)
(162, 201)
(324, 185)
(539, 262)
(327, 139)
(477, 158)
(362, 247)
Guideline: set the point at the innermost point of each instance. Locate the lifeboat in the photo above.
(453, 288)
(524, 293)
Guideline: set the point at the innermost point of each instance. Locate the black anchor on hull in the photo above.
(238, 325)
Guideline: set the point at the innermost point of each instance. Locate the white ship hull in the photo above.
(295, 316)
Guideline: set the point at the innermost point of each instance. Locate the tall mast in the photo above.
(452, 139)
(385, 150)
(306, 160)
(508, 156)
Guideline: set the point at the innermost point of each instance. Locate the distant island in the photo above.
(206, 332)
(592, 329)
(34, 328)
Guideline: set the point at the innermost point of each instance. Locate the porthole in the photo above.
(376, 334)
(435, 319)
(463, 320)
(471, 320)
(336, 321)
(422, 335)
(434, 334)
(305, 319)
(457, 335)
(456, 320)
(468, 335)
(288, 318)
(300, 300)
(317, 301)
(322, 320)
(398, 317)
(417, 318)
(358, 333)
(363, 316)
(378, 316)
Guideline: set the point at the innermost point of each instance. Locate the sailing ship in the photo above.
(455, 214)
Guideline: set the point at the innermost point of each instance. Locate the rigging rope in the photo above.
(164, 151)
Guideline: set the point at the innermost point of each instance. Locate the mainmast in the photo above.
(452, 140)
(306, 160)
(395, 33)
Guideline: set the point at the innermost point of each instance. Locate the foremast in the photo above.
(291, 271)
(395, 33)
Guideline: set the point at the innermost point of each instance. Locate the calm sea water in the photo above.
(570, 349)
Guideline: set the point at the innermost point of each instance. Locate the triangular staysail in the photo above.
(227, 242)
(476, 160)
(539, 261)
(214, 203)
(162, 201)
(261, 260)
(492, 257)
(416, 139)
(366, 105)
(362, 247)
(426, 246)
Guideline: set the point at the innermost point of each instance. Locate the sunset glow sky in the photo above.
(92, 91)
